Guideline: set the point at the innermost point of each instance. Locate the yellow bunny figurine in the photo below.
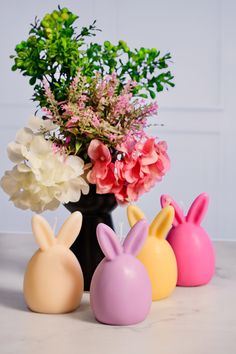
(157, 255)
(53, 281)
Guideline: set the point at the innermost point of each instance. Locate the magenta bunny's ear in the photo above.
(198, 209)
(136, 237)
(108, 242)
(179, 216)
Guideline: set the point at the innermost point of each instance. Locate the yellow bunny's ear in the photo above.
(162, 222)
(134, 214)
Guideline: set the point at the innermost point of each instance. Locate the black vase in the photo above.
(95, 208)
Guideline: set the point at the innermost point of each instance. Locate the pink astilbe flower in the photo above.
(72, 121)
(129, 86)
(99, 110)
(111, 137)
(53, 112)
(48, 91)
(95, 121)
(81, 102)
(47, 111)
(123, 105)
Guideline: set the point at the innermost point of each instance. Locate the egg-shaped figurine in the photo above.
(120, 292)
(157, 255)
(192, 246)
(53, 281)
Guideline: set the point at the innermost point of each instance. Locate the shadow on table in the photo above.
(83, 313)
(12, 299)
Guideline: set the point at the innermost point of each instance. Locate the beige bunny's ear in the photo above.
(162, 222)
(42, 232)
(134, 214)
(70, 229)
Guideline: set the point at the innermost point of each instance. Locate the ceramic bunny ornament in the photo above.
(192, 246)
(53, 281)
(157, 255)
(120, 292)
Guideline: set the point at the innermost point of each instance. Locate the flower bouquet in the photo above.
(94, 101)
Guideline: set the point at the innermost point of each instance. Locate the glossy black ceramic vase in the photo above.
(95, 208)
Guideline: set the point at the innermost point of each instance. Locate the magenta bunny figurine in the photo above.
(191, 244)
(120, 291)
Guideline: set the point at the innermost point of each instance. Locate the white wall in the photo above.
(198, 114)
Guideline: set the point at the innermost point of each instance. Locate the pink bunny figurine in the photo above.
(121, 292)
(191, 244)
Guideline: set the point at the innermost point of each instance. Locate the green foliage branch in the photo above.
(55, 50)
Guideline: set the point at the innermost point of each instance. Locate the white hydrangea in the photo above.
(37, 124)
(42, 177)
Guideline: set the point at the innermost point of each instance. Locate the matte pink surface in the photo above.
(120, 292)
(194, 254)
(192, 246)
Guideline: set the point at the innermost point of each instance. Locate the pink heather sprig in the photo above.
(98, 110)
(47, 112)
(48, 91)
(77, 86)
(129, 86)
(52, 102)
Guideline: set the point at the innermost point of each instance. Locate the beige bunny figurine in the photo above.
(53, 281)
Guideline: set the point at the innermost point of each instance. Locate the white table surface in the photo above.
(199, 320)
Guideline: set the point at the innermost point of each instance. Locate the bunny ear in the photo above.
(70, 229)
(198, 209)
(179, 216)
(136, 237)
(108, 242)
(134, 214)
(42, 232)
(162, 222)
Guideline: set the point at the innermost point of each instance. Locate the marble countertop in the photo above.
(198, 320)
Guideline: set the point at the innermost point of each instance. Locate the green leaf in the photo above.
(78, 145)
(152, 94)
(107, 44)
(143, 95)
(32, 80)
(159, 87)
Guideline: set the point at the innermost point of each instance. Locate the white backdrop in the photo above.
(199, 114)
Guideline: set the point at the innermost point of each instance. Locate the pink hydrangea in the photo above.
(138, 166)
(100, 155)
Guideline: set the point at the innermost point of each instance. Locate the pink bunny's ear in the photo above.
(108, 242)
(179, 216)
(198, 209)
(136, 237)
